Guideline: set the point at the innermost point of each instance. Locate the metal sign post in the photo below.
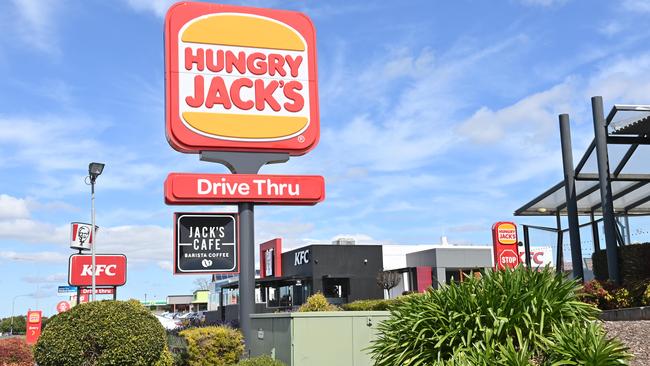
(245, 163)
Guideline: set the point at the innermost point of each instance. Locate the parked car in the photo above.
(167, 323)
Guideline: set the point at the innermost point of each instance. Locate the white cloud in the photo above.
(53, 278)
(35, 257)
(36, 23)
(13, 208)
(640, 6)
(157, 7)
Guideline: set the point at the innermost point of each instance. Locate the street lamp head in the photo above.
(95, 170)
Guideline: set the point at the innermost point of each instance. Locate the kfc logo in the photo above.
(81, 236)
(110, 270)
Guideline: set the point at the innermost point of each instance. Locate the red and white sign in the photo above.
(62, 306)
(98, 291)
(110, 270)
(33, 326)
(504, 241)
(192, 189)
(240, 79)
(539, 256)
(81, 236)
(271, 258)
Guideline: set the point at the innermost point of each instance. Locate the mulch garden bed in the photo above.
(636, 336)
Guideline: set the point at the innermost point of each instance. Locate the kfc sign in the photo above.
(539, 256)
(81, 236)
(184, 189)
(504, 241)
(240, 79)
(110, 270)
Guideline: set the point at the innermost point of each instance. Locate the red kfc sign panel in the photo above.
(240, 79)
(110, 270)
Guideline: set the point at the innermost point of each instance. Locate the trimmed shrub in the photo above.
(102, 333)
(260, 361)
(15, 352)
(166, 359)
(374, 304)
(317, 302)
(478, 317)
(213, 346)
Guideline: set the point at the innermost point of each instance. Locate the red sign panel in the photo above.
(110, 270)
(240, 79)
(194, 189)
(504, 241)
(62, 306)
(33, 326)
(98, 291)
(271, 258)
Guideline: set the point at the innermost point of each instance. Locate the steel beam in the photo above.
(585, 157)
(570, 193)
(594, 232)
(600, 132)
(559, 261)
(628, 140)
(619, 178)
(526, 246)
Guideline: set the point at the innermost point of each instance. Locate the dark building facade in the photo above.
(343, 273)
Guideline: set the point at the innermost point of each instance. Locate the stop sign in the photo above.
(62, 306)
(508, 258)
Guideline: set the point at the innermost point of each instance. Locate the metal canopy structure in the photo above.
(630, 186)
(610, 180)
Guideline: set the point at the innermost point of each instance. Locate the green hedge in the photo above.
(260, 361)
(213, 346)
(103, 333)
(632, 263)
(369, 305)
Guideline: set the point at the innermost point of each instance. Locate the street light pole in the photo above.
(13, 303)
(94, 170)
(94, 237)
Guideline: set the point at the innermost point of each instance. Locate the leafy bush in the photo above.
(474, 320)
(585, 344)
(166, 359)
(367, 305)
(606, 295)
(317, 302)
(260, 361)
(645, 299)
(14, 351)
(213, 346)
(102, 333)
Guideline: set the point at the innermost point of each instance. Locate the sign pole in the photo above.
(245, 163)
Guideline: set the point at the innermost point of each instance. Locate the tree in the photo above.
(388, 280)
(202, 283)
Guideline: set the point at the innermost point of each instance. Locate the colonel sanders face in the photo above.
(84, 233)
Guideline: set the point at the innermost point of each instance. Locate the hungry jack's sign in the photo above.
(240, 79)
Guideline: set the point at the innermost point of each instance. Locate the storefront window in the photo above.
(336, 289)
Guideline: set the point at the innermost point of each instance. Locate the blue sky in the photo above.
(437, 118)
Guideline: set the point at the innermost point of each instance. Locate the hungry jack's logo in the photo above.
(507, 234)
(240, 79)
